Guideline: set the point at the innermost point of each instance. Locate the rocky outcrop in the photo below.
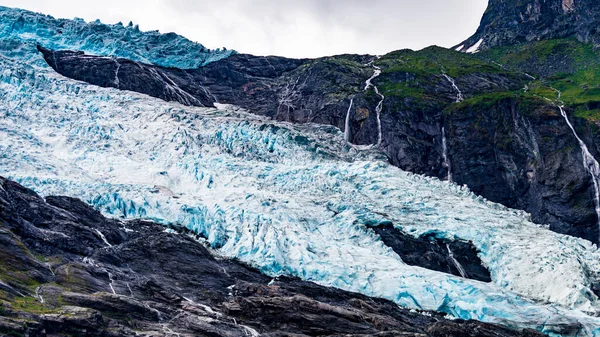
(526, 147)
(508, 22)
(452, 257)
(67, 270)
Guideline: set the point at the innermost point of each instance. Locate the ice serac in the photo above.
(166, 283)
(20, 28)
(288, 199)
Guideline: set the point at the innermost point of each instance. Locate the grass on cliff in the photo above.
(565, 64)
(410, 78)
(528, 102)
(434, 61)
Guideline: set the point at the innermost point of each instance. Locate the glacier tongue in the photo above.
(287, 199)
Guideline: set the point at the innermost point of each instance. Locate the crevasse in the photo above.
(287, 199)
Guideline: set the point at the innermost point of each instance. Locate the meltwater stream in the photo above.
(379, 108)
(347, 130)
(445, 156)
(457, 264)
(459, 94)
(287, 199)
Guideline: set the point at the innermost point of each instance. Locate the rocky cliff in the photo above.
(508, 22)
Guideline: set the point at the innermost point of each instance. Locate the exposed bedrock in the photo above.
(452, 257)
(67, 270)
(507, 22)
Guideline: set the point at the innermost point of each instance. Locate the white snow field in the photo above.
(287, 199)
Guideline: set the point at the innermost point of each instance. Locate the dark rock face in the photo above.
(507, 22)
(67, 270)
(505, 152)
(435, 254)
(529, 149)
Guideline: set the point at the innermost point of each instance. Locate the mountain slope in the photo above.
(288, 199)
(423, 93)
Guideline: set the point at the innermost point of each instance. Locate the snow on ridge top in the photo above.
(475, 48)
(167, 50)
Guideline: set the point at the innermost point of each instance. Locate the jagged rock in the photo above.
(433, 253)
(507, 22)
(157, 283)
(526, 147)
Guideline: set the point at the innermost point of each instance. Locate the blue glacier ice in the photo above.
(20, 28)
(287, 199)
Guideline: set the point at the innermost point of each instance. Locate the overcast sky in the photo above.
(293, 28)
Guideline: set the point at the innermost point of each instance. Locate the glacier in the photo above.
(287, 199)
(22, 30)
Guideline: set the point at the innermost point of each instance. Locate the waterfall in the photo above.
(347, 130)
(172, 87)
(459, 98)
(110, 277)
(459, 95)
(116, 81)
(379, 107)
(457, 264)
(103, 238)
(445, 155)
(589, 163)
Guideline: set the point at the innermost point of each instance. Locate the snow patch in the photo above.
(475, 48)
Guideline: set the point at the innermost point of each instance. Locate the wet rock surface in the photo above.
(67, 270)
(527, 148)
(452, 257)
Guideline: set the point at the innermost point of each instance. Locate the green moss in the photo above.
(481, 101)
(580, 86)
(583, 112)
(435, 60)
(344, 60)
(31, 305)
(527, 102)
(539, 52)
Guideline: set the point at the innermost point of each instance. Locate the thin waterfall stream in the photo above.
(347, 131)
(589, 162)
(457, 264)
(379, 107)
(445, 157)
